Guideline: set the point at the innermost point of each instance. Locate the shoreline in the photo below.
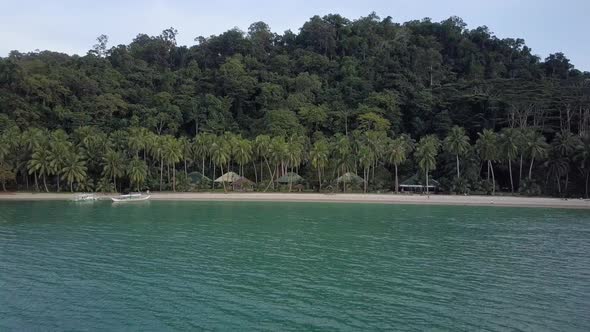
(454, 200)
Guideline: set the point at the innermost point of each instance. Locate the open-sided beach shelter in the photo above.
(242, 184)
(349, 178)
(290, 177)
(416, 183)
(228, 177)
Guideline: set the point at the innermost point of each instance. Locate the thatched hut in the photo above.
(350, 178)
(228, 177)
(349, 181)
(242, 184)
(290, 177)
(417, 183)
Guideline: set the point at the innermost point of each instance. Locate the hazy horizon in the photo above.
(72, 26)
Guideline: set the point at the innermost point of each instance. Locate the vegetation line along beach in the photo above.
(354, 106)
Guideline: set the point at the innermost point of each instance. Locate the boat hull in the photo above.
(132, 199)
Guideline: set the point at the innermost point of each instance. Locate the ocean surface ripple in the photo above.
(158, 266)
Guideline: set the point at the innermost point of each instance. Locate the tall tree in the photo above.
(457, 143)
(319, 158)
(426, 153)
(509, 149)
(487, 145)
(397, 155)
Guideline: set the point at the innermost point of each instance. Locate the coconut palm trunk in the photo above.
(396, 181)
(222, 179)
(161, 172)
(531, 167)
(510, 171)
(493, 177)
(458, 172)
(174, 178)
(255, 172)
(45, 183)
(520, 170)
(587, 175)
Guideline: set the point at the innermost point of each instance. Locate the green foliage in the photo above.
(338, 96)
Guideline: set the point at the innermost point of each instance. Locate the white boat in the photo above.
(85, 197)
(133, 197)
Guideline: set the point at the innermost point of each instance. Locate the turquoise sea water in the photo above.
(159, 266)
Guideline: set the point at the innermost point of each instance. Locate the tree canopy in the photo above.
(337, 87)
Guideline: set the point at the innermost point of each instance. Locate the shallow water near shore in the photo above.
(291, 266)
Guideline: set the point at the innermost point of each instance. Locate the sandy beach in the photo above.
(510, 201)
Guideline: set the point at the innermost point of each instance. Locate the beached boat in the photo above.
(133, 197)
(85, 197)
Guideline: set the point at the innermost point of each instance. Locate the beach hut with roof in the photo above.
(350, 178)
(417, 183)
(228, 177)
(290, 177)
(242, 184)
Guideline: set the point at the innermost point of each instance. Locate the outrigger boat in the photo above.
(85, 197)
(133, 197)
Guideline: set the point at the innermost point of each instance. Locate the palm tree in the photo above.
(509, 147)
(201, 148)
(278, 156)
(137, 172)
(137, 140)
(582, 156)
(157, 152)
(343, 152)
(426, 153)
(319, 158)
(220, 154)
(488, 150)
(294, 154)
(40, 164)
(186, 150)
(5, 170)
(536, 148)
(397, 155)
(564, 145)
(58, 151)
(243, 153)
(114, 165)
(557, 167)
(33, 139)
(262, 148)
(367, 159)
(74, 169)
(172, 155)
(457, 143)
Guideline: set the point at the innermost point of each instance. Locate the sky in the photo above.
(70, 26)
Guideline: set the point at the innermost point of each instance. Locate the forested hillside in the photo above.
(369, 96)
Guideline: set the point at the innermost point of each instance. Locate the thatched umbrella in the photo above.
(242, 183)
(415, 182)
(349, 178)
(228, 177)
(290, 177)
